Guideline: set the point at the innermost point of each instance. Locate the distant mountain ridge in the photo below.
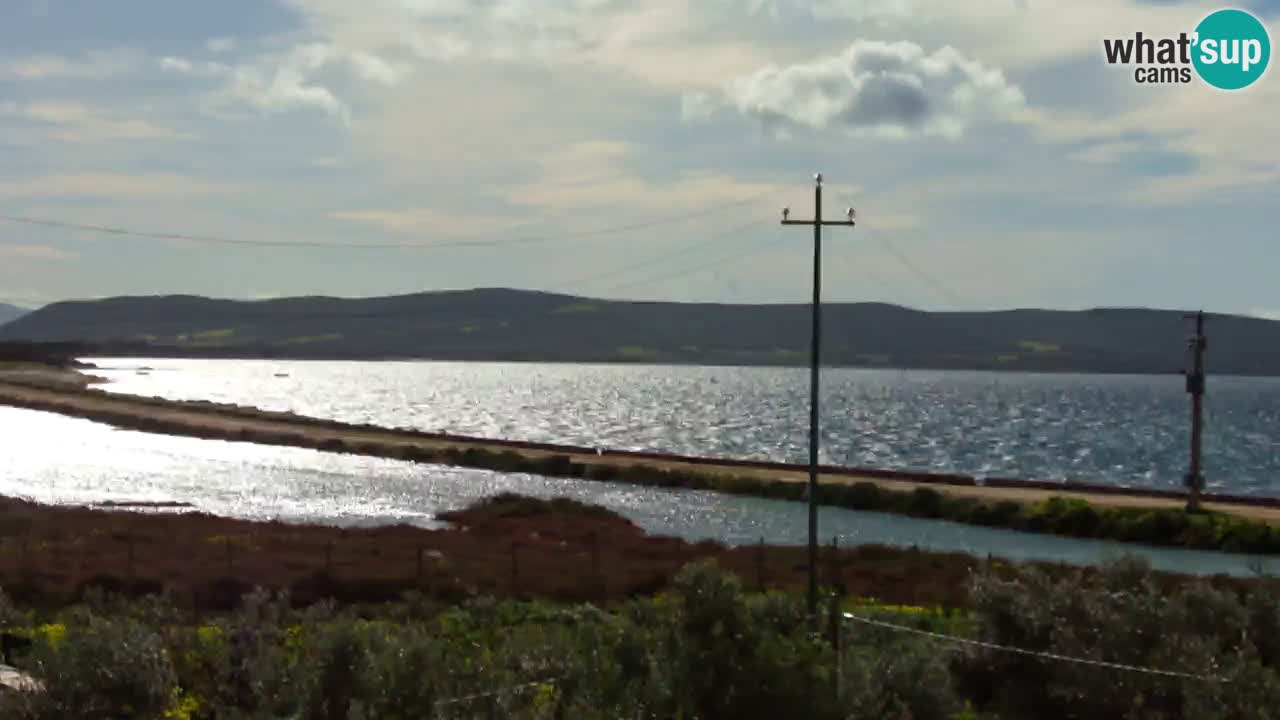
(9, 313)
(503, 324)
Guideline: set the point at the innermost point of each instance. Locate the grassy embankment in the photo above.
(703, 644)
(1110, 517)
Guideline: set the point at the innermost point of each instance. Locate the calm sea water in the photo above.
(57, 459)
(1124, 430)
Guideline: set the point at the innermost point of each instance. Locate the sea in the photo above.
(1114, 429)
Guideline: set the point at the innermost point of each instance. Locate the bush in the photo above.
(706, 650)
(1121, 616)
(100, 668)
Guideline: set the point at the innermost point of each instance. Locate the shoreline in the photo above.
(652, 362)
(1042, 507)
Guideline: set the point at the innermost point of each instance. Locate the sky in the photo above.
(630, 149)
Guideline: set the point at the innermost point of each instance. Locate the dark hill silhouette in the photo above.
(502, 324)
(8, 313)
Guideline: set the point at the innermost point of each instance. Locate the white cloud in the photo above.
(176, 64)
(372, 67)
(282, 90)
(891, 89)
(93, 65)
(221, 44)
(75, 122)
(430, 223)
(39, 253)
(1266, 313)
(106, 185)
(285, 81)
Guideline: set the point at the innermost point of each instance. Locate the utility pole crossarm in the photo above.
(814, 363)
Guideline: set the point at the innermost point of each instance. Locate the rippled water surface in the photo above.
(1127, 430)
(56, 459)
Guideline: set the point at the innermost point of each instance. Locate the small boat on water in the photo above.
(282, 374)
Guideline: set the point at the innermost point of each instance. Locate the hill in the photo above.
(9, 313)
(500, 324)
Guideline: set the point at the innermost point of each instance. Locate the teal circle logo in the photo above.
(1232, 49)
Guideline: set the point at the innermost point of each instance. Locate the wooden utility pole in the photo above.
(815, 349)
(1198, 343)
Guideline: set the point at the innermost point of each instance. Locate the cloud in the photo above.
(285, 81)
(597, 176)
(74, 122)
(106, 185)
(93, 65)
(281, 90)
(39, 253)
(890, 89)
(1266, 313)
(431, 222)
(372, 67)
(177, 64)
(221, 44)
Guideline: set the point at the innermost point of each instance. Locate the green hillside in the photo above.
(500, 324)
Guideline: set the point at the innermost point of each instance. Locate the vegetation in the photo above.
(498, 324)
(41, 354)
(706, 649)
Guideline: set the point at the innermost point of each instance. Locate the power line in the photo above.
(1030, 653)
(724, 260)
(920, 273)
(664, 257)
(863, 273)
(220, 240)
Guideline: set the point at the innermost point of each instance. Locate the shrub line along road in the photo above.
(66, 393)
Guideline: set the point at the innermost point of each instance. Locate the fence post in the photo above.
(328, 558)
(595, 565)
(26, 559)
(230, 557)
(133, 568)
(515, 569)
(837, 622)
(760, 564)
(418, 576)
(837, 566)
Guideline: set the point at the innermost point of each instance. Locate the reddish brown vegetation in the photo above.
(560, 550)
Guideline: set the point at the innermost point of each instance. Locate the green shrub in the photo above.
(925, 502)
(1121, 616)
(102, 667)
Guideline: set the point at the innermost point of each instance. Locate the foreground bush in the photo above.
(707, 650)
(1122, 617)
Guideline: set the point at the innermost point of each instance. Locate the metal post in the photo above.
(1195, 386)
(815, 350)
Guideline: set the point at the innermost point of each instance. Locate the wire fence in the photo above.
(510, 690)
(1043, 655)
